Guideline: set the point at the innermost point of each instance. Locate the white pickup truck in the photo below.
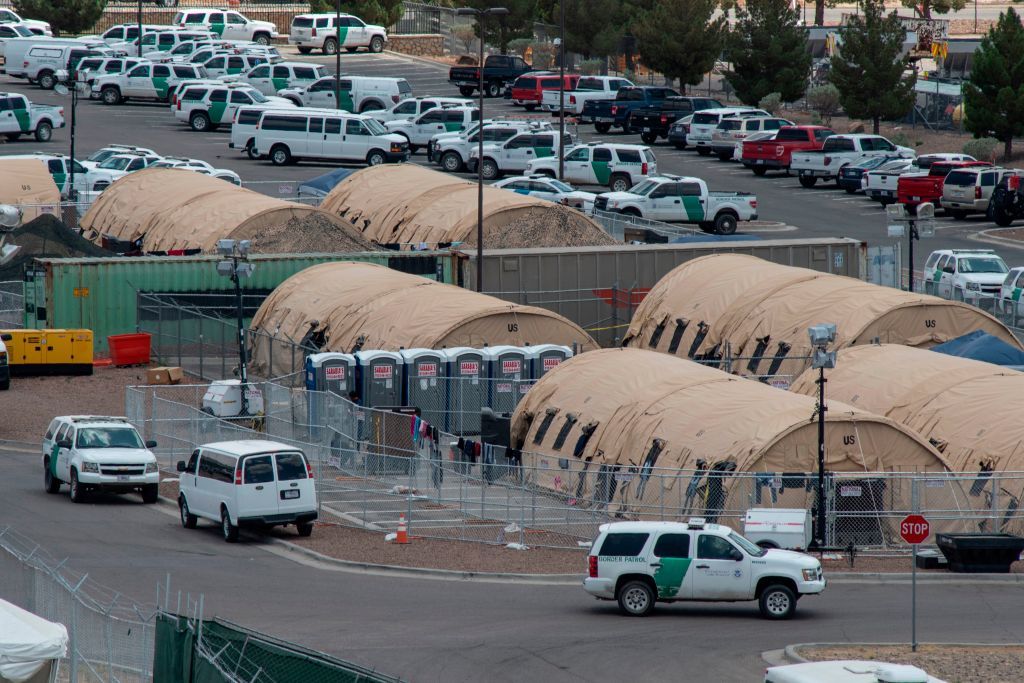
(588, 88)
(840, 151)
(20, 117)
(682, 199)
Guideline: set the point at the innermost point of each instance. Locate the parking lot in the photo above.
(819, 212)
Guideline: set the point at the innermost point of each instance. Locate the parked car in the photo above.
(419, 131)
(310, 32)
(607, 113)
(247, 484)
(678, 131)
(913, 189)
(528, 90)
(498, 72)
(968, 190)
(546, 187)
(11, 31)
(1010, 295)
(681, 199)
(655, 121)
(225, 65)
(117, 166)
(60, 167)
(206, 107)
(270, 78)
(411, 107)
(641, 563)
(356, 94)
(616, 166)
(451, 150)
(145, 81)
(587, 88)
(20, 117)
(733, 129)
(777, 156)
(96, 453)
(104, 153)
(840, 151)
(879, 184)
(39, 28)
(227, 24)
(516, 154)
(286, 137)
(952, 273)
(763, 136)
(42, 62)
(703, 124)
(247, 118)
(92, 67)
(851, 177)
(199, 166)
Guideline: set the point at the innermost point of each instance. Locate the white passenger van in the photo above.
(288, 136)
(247, 484)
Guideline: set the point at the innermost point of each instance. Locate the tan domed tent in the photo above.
(170, 209)
(407, 205)
(641, 406)
(967, 408)
(27, 184)
(762, 310)
(380, 308)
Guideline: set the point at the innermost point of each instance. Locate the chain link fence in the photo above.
(12, 304)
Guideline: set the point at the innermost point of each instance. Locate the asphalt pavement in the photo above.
(817, 212)
(433, 630)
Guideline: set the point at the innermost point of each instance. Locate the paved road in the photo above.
(429, 630)
(817, 212)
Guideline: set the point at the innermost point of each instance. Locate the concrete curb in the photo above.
(988, 236)
(790, 651)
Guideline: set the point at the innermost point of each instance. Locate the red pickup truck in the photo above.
(761, 156)
(917, 188)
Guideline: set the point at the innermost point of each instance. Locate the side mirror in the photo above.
(64, 443)
(151, 444)
(736, 555)
(181, 465)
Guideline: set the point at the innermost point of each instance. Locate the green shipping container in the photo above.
(100, 294)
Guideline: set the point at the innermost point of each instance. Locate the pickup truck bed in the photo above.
(761, 156)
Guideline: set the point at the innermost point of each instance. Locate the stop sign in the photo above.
(914, 529)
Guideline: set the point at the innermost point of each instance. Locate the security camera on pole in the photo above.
(914, 224)
(821, 336)
(236, 267)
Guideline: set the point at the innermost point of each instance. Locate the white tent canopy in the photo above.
(28, 644)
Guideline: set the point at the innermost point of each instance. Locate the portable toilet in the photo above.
(379, 378)
(425, 371)
(508, 372)
(467, 389)
(334, 372)
(545, 358)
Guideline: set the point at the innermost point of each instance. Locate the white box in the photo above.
(788, 528)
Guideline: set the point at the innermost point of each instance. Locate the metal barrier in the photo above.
(616, 225)
(12, 304)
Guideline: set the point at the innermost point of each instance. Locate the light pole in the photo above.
(920, 223)
(561, 91)
(67, 82)
(821, 337)
(337, 55)
(481, 15)
(138, 20)
(236, 266)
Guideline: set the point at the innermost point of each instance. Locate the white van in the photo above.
(247, 484)
(243, 128)
(287, 136)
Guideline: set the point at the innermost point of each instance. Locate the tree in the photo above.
(64, 16)
(869, 69)
(593, 28)
(768, 52)
(680, 39)
(824, 99)
(994, 93)
(380, 12)
(924, 8)
(518, 23)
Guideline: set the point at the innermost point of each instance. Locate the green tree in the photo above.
(680, 39)
(869, 69)
(593, 28)
(380, 12)
(994, 93)
(768, 52)
(65, 16)
(925, 8)
(518, 23)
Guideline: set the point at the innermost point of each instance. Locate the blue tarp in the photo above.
(982, 346)
(322, 184)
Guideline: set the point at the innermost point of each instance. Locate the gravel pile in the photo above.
(313, 233)
(45, 236)
(963, 664)
(548, 226)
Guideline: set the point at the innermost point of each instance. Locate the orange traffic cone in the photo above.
(403, 530)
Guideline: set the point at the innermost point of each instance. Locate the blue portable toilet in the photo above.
(467, 389)
(425, 387)
(508, 371)
(379, 378)
(546, 357)
(330, 371)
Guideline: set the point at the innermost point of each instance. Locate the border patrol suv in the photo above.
(146, 81)
(618, 166)
(959, 273)
(640, 563)
(205, 107)
(227, 24)
(96, 452)
(516, 154)
(444, 119)
(319, 31)
(451, 150)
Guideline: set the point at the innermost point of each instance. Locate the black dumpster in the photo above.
(977, 553)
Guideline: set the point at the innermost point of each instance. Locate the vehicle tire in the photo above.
(305, 50)
(636, 599)
(188, 520)
(759, 171)
(632, 211)
(229, 530)
(12, 136)
(957, 214)
(777, 602)
(371, 105)
(351, 49)
(200, 122)
(929, 287)
(619, 183)
(376, 44)
(704, 151)
(77, 492)
(305, 529)
(649, 138)
(706, 227)
(150, 493)
(50, 482)
(330, 46)
(466, 91)
(47, 80)
(602, 128)
(452, 162)
(723, 156)
(850, 190)
(376, 158)
(530, 107)
(490, 169)
(261, 39)
(44, 131)
(725, 224)
(280, 155)
(111, 95)
(248, 151)
(808, 181)
(413, 148)
(492, 89)
(679, 145)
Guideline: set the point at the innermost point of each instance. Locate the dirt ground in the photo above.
(967, 664)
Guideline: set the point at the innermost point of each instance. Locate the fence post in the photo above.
(73, 638)
(995, 503)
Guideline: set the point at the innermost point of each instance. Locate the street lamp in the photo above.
(481, 15)
(337, 55)
(561, 91)
(821, 337)
(67, 83)
(916, 224)
(236, 266)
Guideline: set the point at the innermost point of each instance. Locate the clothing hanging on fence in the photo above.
(761, 480)
(983, 474)
(415, 429)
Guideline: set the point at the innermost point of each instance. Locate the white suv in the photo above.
(618, 166)
(227, 24)
(320, 31)
(640, 563)
(93, 452)
(964, 273)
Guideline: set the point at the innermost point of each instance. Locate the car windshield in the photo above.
(375, 127)
(981, 264)
(257, 96)
(643, 188)
(560, 186)
(751, 548)
(109, 437)
(116, 163)
(101, 155)
(873, 162)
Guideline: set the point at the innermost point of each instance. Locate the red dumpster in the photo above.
(129, 349)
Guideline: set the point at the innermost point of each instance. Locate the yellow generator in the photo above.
(49, 352)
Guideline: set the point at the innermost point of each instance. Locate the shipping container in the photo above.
(101, 294)
(599, 288)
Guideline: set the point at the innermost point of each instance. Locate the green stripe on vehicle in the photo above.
(694, 210)
(670, 575)
(601, 171)
(217, 111)
(541, 152)
(1016, 293)
(342, 36)
(279, 83)
(345, 101)
(60, 179)
(160, 86)
(24, 119)
(217, 28)
(53, 460)
(452, 126)
(232, 70)
(937, 276)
